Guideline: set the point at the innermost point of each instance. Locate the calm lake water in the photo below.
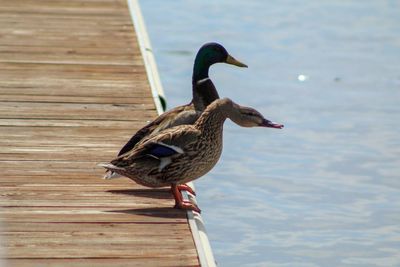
(325, 190)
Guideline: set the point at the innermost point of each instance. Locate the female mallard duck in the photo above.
(204, 92)
(184, 153)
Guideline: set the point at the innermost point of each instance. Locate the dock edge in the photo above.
(196, 223)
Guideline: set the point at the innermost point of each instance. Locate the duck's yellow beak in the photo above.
(231, 60)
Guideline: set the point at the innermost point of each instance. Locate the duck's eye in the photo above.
(248, 113)
(218, 49)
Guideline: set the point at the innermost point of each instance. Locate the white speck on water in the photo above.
(302, 77)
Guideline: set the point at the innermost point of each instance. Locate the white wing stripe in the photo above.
(175, 148)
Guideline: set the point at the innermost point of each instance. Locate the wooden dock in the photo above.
(73, 89)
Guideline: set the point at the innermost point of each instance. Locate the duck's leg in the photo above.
(187, 188)
(180, 203)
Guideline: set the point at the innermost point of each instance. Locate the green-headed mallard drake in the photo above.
(184, 153)
(204, 92)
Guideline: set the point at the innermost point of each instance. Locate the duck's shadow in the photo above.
(159, 193)
(162, 212)
(149, 193)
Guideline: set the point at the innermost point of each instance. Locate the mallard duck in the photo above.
(184, 153)
(204, 92)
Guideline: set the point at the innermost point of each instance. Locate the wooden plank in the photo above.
(41, 166)
(74, 111)
(97, 228)
(67, 196)
(59, 154)
(100, 251)
(72, 131)
(140, 214)
(90, 72)
(182, 260)
(73, 87)
(134, 101)
(49, 124)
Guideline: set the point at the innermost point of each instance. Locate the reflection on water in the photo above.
(325, 190)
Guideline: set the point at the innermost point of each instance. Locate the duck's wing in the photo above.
(177, 116)
(162, 147)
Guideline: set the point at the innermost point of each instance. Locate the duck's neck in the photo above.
(212, 119)
(200, 69)
(204, 91)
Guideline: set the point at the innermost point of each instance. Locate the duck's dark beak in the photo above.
(231, 60)
(270, 124)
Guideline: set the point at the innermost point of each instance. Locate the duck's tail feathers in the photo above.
(110, 173)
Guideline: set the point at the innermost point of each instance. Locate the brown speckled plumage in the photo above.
(201, 146)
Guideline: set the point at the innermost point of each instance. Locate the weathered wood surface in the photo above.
(73, 89)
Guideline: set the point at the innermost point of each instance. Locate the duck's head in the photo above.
(246, 116)
(209, 54)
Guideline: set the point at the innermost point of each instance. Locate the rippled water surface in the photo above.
(325, 190)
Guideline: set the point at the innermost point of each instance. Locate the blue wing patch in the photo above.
(160, 151)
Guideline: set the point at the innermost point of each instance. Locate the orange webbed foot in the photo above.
(187, 205)
(180, 203)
